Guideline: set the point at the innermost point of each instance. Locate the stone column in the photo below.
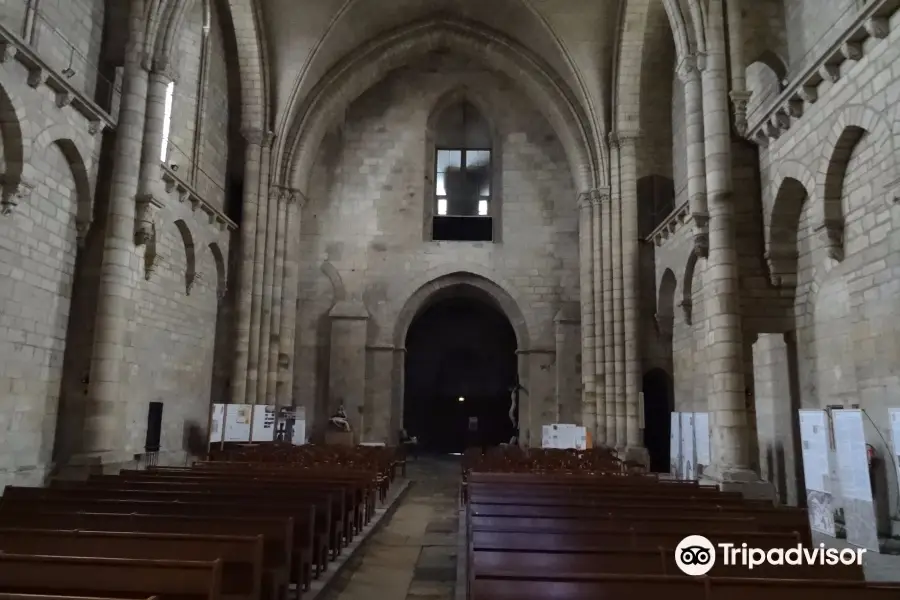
(689, 74)
(277, 296)
(239, 381)
(585, 256)
(739, 94)
(272, 195)
(618, 306)
(259, 268)
(728, 414)
(287, 328)
(149, 199)
(634, 442)
(599, 431)
(609, 418)
(568, 345)
(104, 428)
(776, 415)
(347, 367)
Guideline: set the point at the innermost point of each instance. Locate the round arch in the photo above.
(460, 283)
(371, 62)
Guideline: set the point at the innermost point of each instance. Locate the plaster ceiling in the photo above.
(307, 37)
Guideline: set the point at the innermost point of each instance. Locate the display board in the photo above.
(701, 438)
(299, 436)
(564, 436)
(216, 423)
(814, 436)
(238, 418)
(853, 471)
(290, 425)
(263, 423)
(675, 446)
(895, 436)
(688, 458)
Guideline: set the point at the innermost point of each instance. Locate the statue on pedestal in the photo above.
(339, 420)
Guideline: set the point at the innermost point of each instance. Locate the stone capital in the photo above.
(739, 100)
(627, 137)
(598, 196)
(690, 66)
(584, 200)
(254, 136)
(18, 194)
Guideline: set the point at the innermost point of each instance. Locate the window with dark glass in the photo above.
(463, 176)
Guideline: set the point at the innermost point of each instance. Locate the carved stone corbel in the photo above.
(150, 256)
(701, 234)
(12, 198)
(831, 234)
(145, 219)
(686, 308)
(81, 232)
(739, 101)
(191, 280)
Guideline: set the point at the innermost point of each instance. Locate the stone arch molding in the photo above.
(850, 125)
(370, 63)
(16, 148)
(665, 304)
(791, 189)
(417, 294)
(687, 289)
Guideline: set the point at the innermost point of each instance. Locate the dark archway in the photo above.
(658, 406)
(459, 346)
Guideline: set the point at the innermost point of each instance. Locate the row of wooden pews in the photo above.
(253, 522)
(540, 526)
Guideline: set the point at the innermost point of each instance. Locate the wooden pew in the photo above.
(68, 575)
(4, 596)
(241, 556)
(661, 523)
(280, 556)
(303, 516)
(643, 587)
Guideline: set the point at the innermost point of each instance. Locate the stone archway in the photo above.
(473, 299)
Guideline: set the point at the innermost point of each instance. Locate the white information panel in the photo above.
(688, 459)
(701, 438)
(814, 438)
(263, 423)
(895, 436)
(675, 446)
(237, 422)
(290, 425)
(299, 437)
(564, 436)
(216, 423)
(850, 447)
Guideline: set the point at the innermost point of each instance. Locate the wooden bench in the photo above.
(514, 586)
(118, 577)
(57, 597)
(241, 556)
(281, 559)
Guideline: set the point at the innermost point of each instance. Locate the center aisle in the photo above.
(413, 555)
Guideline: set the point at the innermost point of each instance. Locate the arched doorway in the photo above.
(460, 364)
(658, 405)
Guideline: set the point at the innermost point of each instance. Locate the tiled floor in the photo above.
(413, 556)
(877, 567)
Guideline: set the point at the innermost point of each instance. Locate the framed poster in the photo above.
(853, 471)
(814, 437)
(701, 438)
(238, 418)
(216, 423)
(263, 423)
(688, 458)
(675, 446)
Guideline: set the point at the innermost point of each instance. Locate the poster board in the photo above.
(894, 414)
(238, 418)
(853, 472)
(564, 436)
(263, 423)
(701, 438)
(216, 423)
(290, 425)
(675, 445)
(688, 458)
(814, 439)
(299, 436)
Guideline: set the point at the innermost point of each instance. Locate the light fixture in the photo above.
(461, 399)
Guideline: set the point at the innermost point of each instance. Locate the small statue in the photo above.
(339, 420)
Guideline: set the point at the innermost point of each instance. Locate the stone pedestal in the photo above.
(339, 438)
(744, 481)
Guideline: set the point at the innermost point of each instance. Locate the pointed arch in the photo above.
(665, 304)
(190, 259)
(781, 233)
(372, 61)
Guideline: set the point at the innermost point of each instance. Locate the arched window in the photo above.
(463, 175)
(167, 121)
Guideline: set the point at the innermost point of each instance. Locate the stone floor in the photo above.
(413, 556)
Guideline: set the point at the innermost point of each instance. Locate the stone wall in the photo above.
(363, 237)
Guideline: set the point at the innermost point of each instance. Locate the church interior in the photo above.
(457, 224)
